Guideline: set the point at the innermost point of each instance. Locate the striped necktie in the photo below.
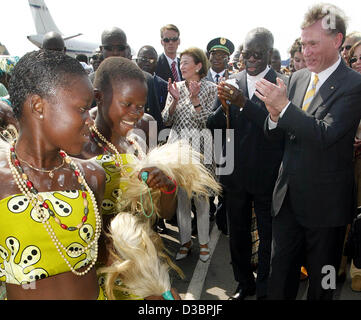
(174, 72)
(310, 94)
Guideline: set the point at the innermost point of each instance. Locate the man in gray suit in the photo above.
(219, 49)
(313, 197)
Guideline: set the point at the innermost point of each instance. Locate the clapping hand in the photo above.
(194, 88)
(173, 89)
(273, 95)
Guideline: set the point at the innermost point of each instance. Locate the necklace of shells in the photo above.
(111, 150)
(27, 188)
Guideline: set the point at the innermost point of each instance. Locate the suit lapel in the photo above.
(327, 89)
(302, 86)
(242, 82)
(209, 76)
(165, 67)
(271, 77)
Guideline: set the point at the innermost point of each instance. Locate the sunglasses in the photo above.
(174, 39)
(254, 54)
(354, 59)
(348, 47)
(119, 47)
(146, 60)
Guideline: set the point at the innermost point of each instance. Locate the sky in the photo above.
(199, 21)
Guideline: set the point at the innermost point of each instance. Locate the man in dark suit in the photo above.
(219, 50)
(168, 66)
(147, 61)
(256, 163)
(313, 196)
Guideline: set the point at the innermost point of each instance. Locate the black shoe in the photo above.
(241, 294)
(162, 230)
(194, 227)
(160, 227)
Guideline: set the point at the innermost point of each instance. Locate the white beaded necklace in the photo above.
(36, 201)
(116, 155)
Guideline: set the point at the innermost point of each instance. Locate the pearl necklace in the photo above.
(115, 153)
(27, 188)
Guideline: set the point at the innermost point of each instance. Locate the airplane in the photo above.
(44, 23)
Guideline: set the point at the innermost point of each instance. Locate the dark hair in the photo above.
(82, 58)
(198, 56)
(41, 72)
(116, 69)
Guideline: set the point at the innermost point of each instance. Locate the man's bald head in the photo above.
(113, 35)
(53, 41)
(114, 43)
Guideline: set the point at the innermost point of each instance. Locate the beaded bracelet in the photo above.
(168, 295)
(172, 191)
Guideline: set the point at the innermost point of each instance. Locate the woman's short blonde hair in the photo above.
(198, 56)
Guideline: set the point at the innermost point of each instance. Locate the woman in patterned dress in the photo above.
(189, 103)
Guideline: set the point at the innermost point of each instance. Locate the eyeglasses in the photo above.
(354, 59)
(348, 47)
(142, 59)
(174, 39)
(119, 47)
(254, 54)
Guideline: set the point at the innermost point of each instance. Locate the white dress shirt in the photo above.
(322, 77)
(170, 61)
(221, 74)
(251, 81)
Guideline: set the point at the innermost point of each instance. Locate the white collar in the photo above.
(259, 76)
(170, 60)
(215, 73)
(325, 74)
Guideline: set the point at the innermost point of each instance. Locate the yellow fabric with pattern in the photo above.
(114, 186)
(114, 189)
(27, 252)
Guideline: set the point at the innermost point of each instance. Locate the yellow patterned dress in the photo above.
(112, 201)
(27, 252)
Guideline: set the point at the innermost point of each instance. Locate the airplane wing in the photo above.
(71, 37)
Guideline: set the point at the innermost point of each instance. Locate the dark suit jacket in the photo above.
(163, 69)
(317, 167)
(161, 87)
(256, 159)
(152, 105)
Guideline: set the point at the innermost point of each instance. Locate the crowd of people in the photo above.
(92, 140)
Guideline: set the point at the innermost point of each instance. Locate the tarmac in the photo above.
(214, 279)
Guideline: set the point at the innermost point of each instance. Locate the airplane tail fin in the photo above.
(42, 18)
